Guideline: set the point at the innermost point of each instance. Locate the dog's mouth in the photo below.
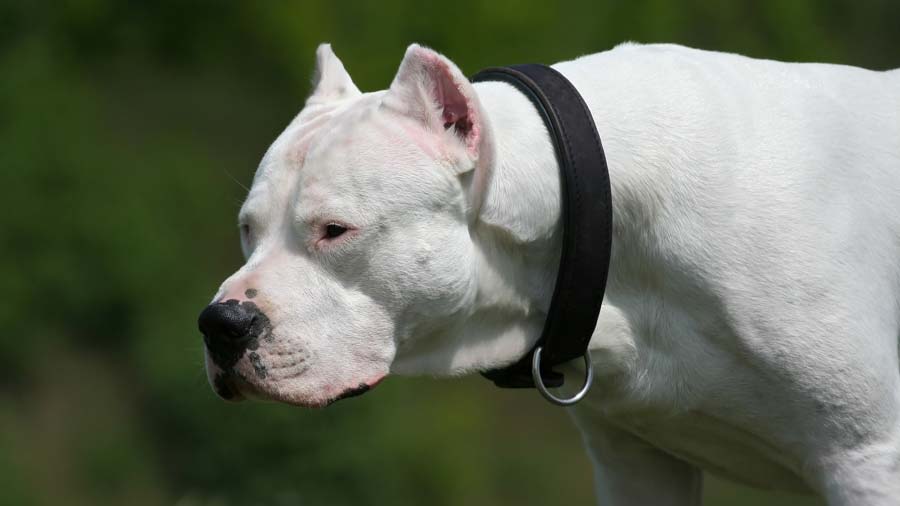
(233, 388)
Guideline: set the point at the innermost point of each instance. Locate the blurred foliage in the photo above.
(127, 130)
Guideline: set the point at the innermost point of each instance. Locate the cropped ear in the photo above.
(331, 82)
(431, 89)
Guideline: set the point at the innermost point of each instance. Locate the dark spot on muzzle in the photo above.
(256, 362)
(229, 328)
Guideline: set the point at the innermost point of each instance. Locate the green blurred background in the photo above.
(127, 130)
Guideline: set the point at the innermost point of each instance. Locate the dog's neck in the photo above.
(518, 239)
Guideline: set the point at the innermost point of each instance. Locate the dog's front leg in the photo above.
(628, 470)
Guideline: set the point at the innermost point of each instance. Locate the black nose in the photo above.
(228, 324)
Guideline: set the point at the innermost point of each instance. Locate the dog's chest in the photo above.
(670, 377)
(718, 447)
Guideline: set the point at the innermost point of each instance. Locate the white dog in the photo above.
(750, 325)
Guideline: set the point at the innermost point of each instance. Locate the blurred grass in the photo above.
(126, 131)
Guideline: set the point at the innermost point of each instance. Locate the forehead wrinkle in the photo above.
(296, 150)
(293, 143)
(390, 130)
(343, 121)
(341, 128)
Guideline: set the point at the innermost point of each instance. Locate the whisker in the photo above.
(242, 185)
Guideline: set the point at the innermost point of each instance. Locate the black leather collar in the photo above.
(586, 220)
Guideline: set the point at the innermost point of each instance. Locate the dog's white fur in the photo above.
(750, 325)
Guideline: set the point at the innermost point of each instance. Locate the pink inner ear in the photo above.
(456, 114)
(457, 108)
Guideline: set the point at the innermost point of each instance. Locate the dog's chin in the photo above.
(234, 389)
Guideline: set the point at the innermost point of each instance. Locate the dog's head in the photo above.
(356, 233)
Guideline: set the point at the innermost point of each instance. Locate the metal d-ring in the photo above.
(539, 383)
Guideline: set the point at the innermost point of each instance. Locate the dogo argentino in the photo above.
(751, 316)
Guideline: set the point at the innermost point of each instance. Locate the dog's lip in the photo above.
(357, 390)
(227, 388)
(234, 388)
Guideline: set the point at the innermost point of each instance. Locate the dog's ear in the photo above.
(431, 89)
(331, 82)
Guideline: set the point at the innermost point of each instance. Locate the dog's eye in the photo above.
(333, 230)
